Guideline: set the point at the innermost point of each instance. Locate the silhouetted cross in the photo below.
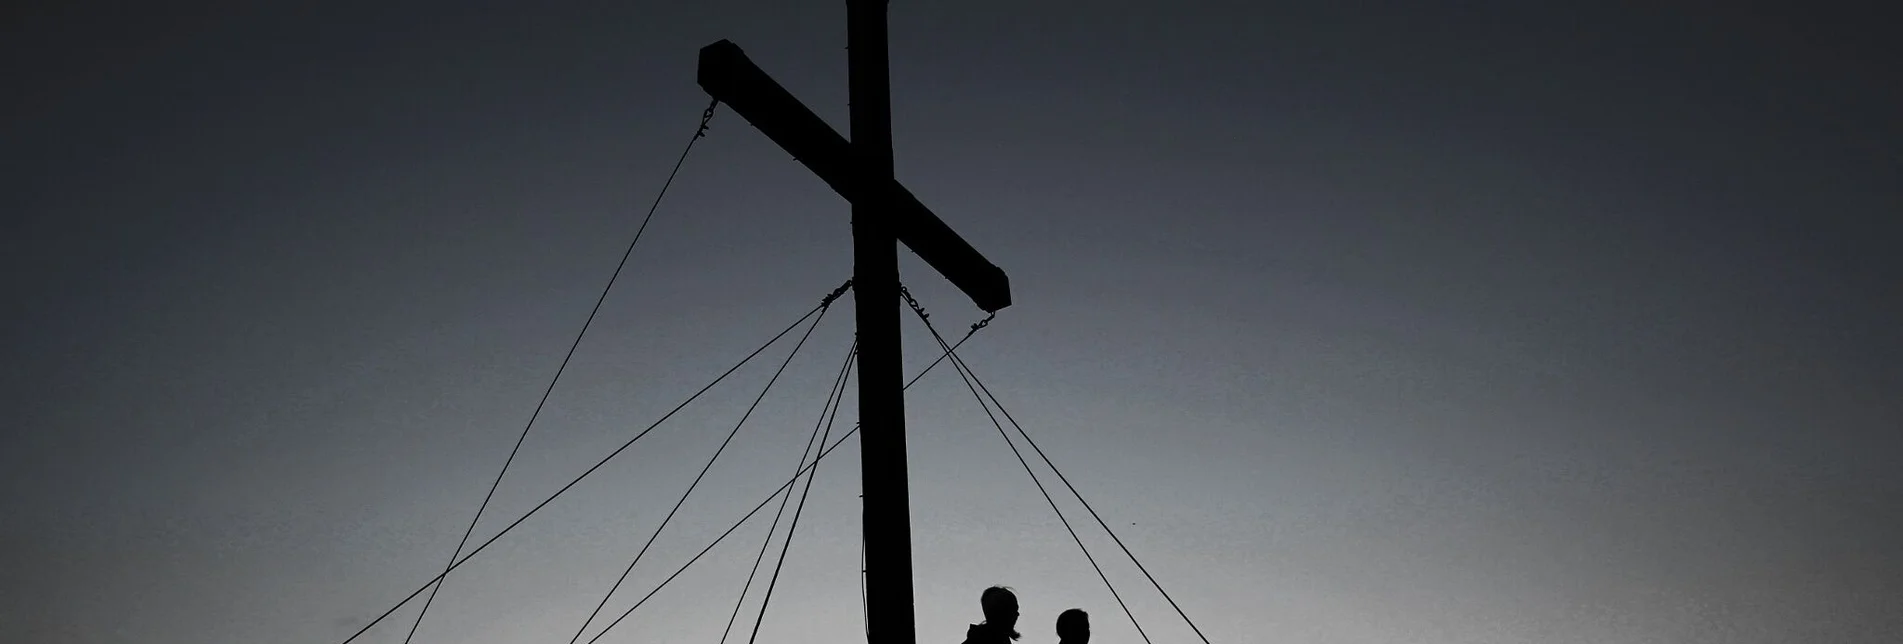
(884, 213)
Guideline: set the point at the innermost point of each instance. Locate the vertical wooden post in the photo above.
(887, 513)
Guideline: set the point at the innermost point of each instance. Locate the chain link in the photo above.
(927, 317)
(706, 116)
(830, 297)
(984, 322)
(920, 310)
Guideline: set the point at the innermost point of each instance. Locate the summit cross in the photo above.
(884, 214)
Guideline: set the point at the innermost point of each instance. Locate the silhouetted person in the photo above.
(1001, 614)
(1073, 627)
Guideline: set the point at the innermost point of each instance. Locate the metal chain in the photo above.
(983, 323)
(907, 294)
(830, 297)
(706, 116)
(927, 317)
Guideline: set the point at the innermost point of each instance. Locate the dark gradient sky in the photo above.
(1360, 323)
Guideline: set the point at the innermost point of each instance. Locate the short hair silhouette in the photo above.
(1073, 627)
(1000, 605)
(1001, 614)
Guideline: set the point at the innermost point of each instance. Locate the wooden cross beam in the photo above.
(884, 214)
(726, 74)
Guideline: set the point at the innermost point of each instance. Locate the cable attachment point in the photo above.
(984, 322)
(920, 310)
(830, 297)
(706, 116)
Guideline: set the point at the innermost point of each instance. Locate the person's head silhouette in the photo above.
(1001, 609)
(1073, 627)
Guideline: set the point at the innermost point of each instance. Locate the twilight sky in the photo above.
(1359, 323)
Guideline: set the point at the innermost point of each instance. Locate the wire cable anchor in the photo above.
(830, 297)
(706, 116)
